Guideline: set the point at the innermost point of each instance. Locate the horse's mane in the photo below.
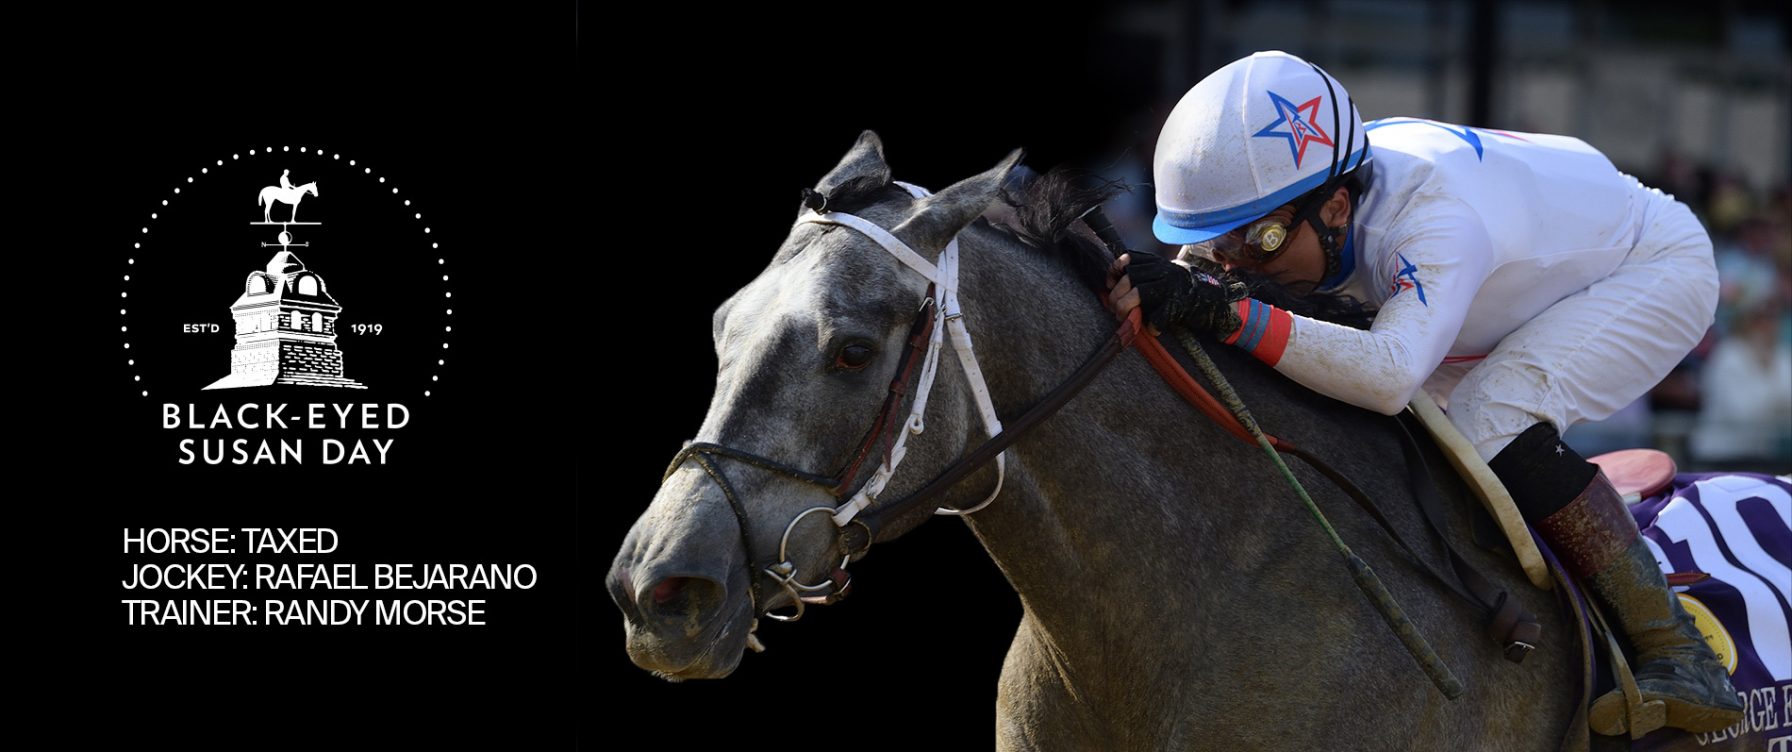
(1043, 214)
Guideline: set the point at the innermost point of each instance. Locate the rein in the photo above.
(1507, 624)
(920, 333)
(940, 312)
(856, 527)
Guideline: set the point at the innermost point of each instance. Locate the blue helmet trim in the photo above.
(1180, 227)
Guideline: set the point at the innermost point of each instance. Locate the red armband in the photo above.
(1264, 332)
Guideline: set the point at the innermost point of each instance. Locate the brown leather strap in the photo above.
(1193, 393)
(1640, 716)
(1515, 630)
(919, 333)
(1575, 734)
(1513, 627)
(868, 524)
(1508, 624)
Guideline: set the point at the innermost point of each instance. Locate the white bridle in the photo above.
(948, 316)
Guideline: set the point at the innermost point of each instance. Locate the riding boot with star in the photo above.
(1583, 519)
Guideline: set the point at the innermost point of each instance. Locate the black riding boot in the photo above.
(1584, 520)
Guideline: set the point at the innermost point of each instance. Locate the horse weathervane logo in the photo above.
(288, 321)
(289, 194)
(285, 317)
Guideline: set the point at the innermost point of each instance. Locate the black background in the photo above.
(733, 123)
(614, 178)
(471, 114)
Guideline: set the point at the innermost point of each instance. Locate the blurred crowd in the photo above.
(1728, 405)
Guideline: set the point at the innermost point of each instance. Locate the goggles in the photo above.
(1251, 244)
(1260, 241)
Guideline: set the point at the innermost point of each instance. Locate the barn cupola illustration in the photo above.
(285, 329)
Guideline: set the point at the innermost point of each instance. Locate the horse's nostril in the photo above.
(668, 589)
(683, 599)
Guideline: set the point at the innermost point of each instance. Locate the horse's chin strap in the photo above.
(949, 317)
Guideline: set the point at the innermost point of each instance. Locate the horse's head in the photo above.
(310, 188)
(742, 524)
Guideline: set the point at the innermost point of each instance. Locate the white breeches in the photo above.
(1596, 350)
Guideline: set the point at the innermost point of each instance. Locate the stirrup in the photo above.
(1610, 718)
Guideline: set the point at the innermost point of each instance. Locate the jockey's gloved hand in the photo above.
(1172, 293)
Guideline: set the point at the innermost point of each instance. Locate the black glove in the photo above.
(1171, 293)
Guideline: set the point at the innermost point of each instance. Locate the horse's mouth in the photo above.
(719, 657)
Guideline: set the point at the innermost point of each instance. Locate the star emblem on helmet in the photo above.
(1301, 130)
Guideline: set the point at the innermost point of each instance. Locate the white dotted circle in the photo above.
(122, 312)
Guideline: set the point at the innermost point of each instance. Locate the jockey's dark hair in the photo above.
(1301, 299)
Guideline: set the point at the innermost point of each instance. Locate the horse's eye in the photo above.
(853, 357)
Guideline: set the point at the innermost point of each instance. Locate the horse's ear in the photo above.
(863, 162)
(941, 216)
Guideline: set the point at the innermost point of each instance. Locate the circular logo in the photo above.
(1712, 630)
(282, 272)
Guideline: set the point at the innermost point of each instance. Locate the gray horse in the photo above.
(1175, 595)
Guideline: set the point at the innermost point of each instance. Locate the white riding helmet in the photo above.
(1251, 137)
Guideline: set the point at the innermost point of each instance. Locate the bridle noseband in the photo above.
(939, 313)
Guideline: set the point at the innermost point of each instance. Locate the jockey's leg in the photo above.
(1585, 522)
(1583, 358)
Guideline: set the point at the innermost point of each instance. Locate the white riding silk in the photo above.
(948, 316)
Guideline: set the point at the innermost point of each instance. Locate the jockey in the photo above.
(1518, 278)
(284, 182)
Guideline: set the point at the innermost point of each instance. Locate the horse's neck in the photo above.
(1165, 565)
(1101, 528)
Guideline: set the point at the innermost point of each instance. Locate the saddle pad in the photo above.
(1738, 528)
